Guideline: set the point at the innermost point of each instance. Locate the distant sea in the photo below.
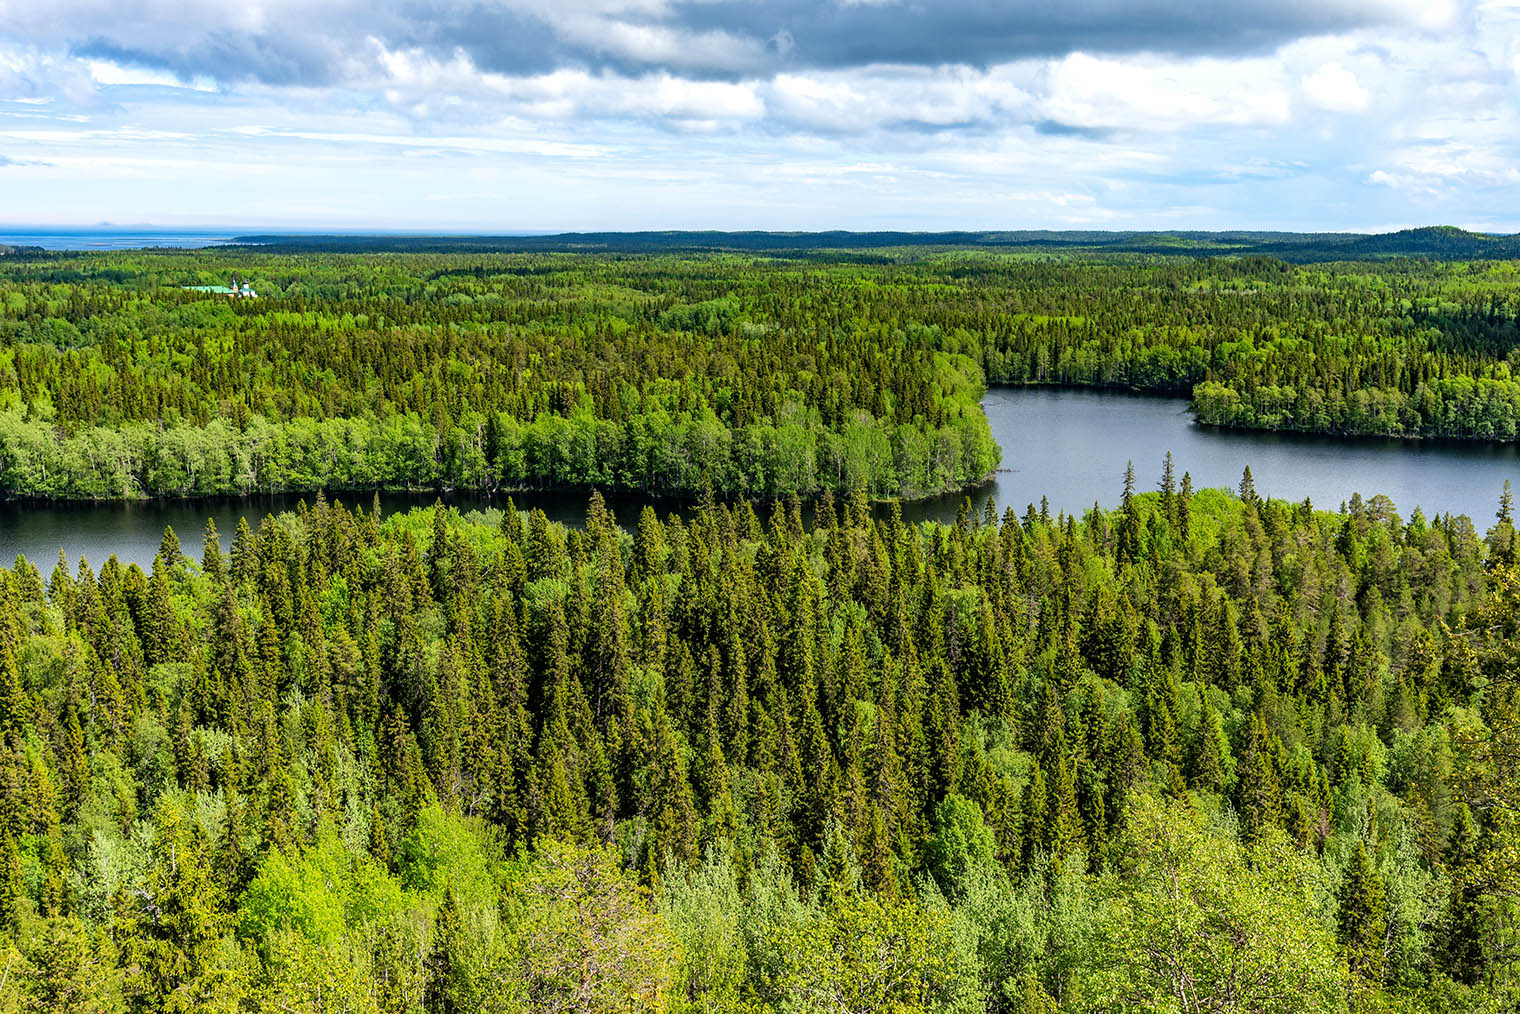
(113, 239)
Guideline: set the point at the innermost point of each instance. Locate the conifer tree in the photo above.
(1127, 541)
(1168, 488)
(1247, 491)
(1185, 509)
(1063, 831)
(12, 888)
(160, 630)
(1465, 924)
(1206, 760)
(442, 992)
(170, 930)
(1035, 814)
(211, 551)
(1363, 921)
(1259, 793)
(169, 548)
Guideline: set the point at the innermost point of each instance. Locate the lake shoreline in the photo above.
(1068, 445)
(446, 492)
(1130, 391)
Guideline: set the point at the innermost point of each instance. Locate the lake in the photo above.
(1071, 446)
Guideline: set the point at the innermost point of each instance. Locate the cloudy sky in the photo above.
(776, 114)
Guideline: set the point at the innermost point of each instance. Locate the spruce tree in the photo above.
(211, 551)
(1127, 538)
(169, 548)
(1466, 923)
(1259, 793)
(1185, 510)
(442, 987)
(1247, 491)
(1363, 920)
(1168, 487)
(12, 887)
(1206, 760)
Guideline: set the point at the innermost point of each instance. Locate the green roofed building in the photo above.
(243, 291)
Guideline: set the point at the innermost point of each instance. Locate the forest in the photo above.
(360, 372)
(763, 374)
(1206, 751)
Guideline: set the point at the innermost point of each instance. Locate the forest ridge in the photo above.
(1437, 242)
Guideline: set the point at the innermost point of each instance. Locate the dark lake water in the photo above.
(1071, 446)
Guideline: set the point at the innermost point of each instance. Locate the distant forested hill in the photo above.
(1441, 242)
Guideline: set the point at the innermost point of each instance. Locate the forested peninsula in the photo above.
(762, 373)
(656, 375)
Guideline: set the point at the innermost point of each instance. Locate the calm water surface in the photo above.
(1071, 446)
(133, 530)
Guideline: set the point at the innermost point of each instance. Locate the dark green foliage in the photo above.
(1363, 916)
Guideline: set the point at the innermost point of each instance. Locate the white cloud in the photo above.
(471, 145)
(111, 74)
(658, 45)
(1136, 94)
(1427, 14)
(857, 102)
(671, 121)
(1335, 88)
(1456, 161)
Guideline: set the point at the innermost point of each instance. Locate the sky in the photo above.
(507, 115)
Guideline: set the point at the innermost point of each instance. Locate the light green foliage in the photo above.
(704, 907)
(960, 845)
(588, 938)
(1203, 925)
(69, 970)
(302, 976)
(857, 954)
(445, 852)
(1035, 944)
(308, 895)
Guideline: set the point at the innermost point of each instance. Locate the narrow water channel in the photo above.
(1069, 446)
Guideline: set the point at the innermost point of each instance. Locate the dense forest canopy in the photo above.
(1202, 752)
(764, 375)
(356, 372)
